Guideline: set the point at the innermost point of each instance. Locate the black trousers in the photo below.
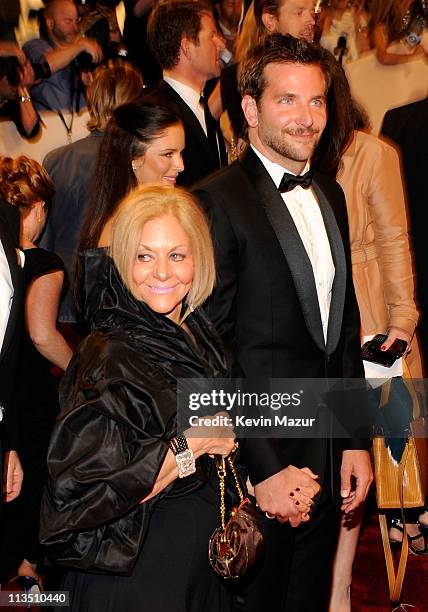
(295, 572)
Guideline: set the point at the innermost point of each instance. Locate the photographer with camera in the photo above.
(63, 47)
(16, 76)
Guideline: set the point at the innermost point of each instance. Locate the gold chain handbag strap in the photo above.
(222, 472)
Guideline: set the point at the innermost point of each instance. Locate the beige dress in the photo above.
(381, 254)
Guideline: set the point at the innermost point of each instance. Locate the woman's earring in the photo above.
(191, 308)
(134, 165)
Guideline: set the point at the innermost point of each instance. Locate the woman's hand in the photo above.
(218, 439)
(215, 439)
(393, 334)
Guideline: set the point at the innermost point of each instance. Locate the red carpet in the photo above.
(370, 586)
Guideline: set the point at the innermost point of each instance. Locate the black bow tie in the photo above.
(289, 181)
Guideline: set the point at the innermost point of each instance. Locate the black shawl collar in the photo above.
(192, 123)
(295, 252)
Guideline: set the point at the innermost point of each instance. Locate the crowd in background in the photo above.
(163, 99)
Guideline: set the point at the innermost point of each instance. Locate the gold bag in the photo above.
(404, 484)
(401, 485)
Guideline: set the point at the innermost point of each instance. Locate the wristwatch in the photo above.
(183, 456)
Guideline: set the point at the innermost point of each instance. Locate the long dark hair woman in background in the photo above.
(143, 143)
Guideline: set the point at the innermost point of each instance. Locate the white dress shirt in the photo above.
(191, 97)
(6, 293)
(306, 214)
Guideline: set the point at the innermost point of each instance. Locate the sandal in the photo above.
(397, 526)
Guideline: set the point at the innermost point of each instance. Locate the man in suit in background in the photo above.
(184, 38)
(285, 306)
(407, 127)
(11, 297)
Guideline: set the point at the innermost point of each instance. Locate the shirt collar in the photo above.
(225, 30)
(275, 171)
(190, 96)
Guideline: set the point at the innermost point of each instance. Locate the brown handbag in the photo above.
(404, 484)
(236, 545)
(401, 485)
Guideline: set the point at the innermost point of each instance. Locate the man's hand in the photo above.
(92, 47)
(288, 494)
(357, 464)
(13, 476)
(26, 75)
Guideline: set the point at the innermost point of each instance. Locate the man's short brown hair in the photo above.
(169, 23)
(285, 49)
(278, 49)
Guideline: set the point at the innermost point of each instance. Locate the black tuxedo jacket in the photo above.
(265, 303)
(197, 157)
(9, 236)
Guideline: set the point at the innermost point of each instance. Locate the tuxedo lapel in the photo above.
(16, 276)
(290, 242)
(339, 284)
(192, 124)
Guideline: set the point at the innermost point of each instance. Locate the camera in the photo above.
(83, 63)
(9, 67)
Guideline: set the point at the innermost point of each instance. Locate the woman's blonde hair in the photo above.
(149, 202)
(113, 84)
(249, 36)
(23, 181)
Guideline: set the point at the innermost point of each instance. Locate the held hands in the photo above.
(209, 439)
(288, 495)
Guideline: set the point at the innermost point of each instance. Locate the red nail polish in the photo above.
(297, 489)
(291, 494)
(383, 347)
(297, 503)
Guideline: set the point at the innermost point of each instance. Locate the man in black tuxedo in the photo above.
(407, 127)
(11, 296)
(285, 306)
(184, 38)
